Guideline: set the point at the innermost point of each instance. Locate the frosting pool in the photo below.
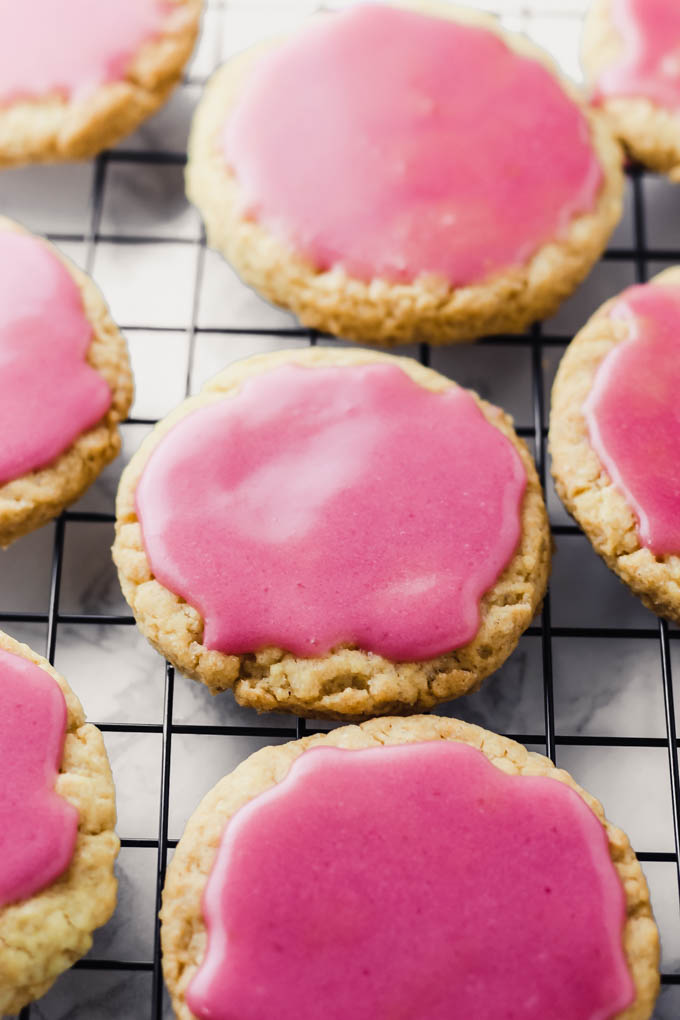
(326, 506)
(412, 881)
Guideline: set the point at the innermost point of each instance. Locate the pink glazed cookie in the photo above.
(406, 868)
(65, 382)
(631, 56)
(333, 532)
(615, 436)
(57, 814)
(394, 175)
(76, 76)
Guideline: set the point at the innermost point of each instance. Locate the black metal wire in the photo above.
(536, 342)
(538, 384)
(166, 755)
(642, 258)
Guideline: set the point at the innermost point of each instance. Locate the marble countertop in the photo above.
(159, 279)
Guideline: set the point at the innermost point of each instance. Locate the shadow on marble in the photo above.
(147, 200)
(634, 787)
(49, 199)
(96, 995)
(668, 1005)
(32, 634)
(198, 762)
(557, 511)
(193, 704)
(225, 302)
(136, 765)
(662, 212)
(89, 582)
(25, 570)
(167, 130)
(101, 496)
(498, 373)
(608, 687)
(675, 670)
(114, 671)
(605, 280)
(130, 932)
(586, 593)
(509, 701)
(662, 879)
(551, 358)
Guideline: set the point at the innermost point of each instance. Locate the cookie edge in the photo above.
(649, 132)
(85, 781)
(53, 130)
(581, 480)
(266, 680)
(378, 311)
(33, 499)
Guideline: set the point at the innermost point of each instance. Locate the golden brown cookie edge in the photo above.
(378, 311)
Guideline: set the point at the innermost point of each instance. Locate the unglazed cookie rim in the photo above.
(336, 302)
(183, 934)
(84, 781)
(599, 504)
(54, 129)
(530, 561)
(28, 501)
(649, 131)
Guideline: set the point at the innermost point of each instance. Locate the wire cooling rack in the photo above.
(569, 690)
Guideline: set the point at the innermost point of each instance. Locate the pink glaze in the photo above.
(49, 395)
(412, 881)
(649, 64)
(395, 144)
(70, 47)
(337, 506)
(633, 413)
(38, 828)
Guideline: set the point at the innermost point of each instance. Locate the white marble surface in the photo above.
(602, 688)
